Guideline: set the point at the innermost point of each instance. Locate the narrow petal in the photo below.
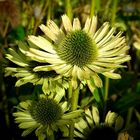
(65, 106)
(89, 117)
(25, 125)
(43, 54)
(112, 75)
(106, 38)
(59, 96)
(93, 25)
(81, 125)
(67, 23)
(73, 114)
(42, 43)
(95, 115)
(76, 24)
(114, 43)
(16, 60)
(57, 32)
(62, 69)
(87, 25)
(43, 68)
(97, 80)
(48, 32)
(102, 31)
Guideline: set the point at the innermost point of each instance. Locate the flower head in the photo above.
(90, 125)
(45, 115)
(23, 70)
(79, 53)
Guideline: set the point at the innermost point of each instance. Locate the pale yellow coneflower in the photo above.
(79, 53)
(45, 115)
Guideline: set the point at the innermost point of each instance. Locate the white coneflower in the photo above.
(79, 53)
(91, 127)
(23, 70)
(45, 115)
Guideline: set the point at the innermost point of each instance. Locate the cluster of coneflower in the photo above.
(67, 59)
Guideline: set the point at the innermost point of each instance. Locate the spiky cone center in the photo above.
(46, 111)
(77, 48)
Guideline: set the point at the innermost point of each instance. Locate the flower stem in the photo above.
(106, 89)
(92, 8)
(95, 7)
(106, 95)
(129, 116)
(114, 10)
(70, 91)
(68, 9)
(51, 137)
(74, 103)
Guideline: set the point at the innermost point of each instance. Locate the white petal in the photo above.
(102, 31)
(48, 32)
(43, 68)
(44, 59)
(93, 25)
(114, 52)
(81, 125)
(16, 60)
(89, 117)
(42, 43)
(87, 25)
(112, 75)
(97, 80)
(26, 125)
(74, 71)
(76, 24)
(106, 38)
(95, 115)
(94, 68)
(43, 54)
(67, 23)
(118, 59)
(107, 65)
(65, 106)
(114, 43)
(58, 33)
(54, 28)
(62, 69)
(59, 96)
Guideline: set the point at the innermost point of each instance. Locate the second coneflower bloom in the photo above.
(79, 52)
(45, 116)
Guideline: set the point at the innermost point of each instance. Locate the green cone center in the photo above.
(46, 111)
(77, 48)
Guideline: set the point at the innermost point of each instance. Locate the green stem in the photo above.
(92, 8)
(114, 10)
(106, 95)
(70, 91)
(95, 7)
(106, 89)
(69, 9)
(49, 10)
(129, 116)
(74, 103)
(51, 137)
